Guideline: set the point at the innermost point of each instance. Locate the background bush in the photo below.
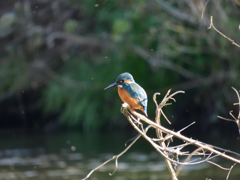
(58, 56)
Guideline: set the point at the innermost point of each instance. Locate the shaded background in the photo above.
(57, 56)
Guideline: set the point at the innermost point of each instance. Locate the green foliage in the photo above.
(79, 94)
(71, 26)
(120, 27)
(10, 75)
(77, 48)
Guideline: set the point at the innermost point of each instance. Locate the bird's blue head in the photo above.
(122, 78)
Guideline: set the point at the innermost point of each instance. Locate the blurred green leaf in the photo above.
(71, 26)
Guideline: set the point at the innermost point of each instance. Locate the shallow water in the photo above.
(73, 155)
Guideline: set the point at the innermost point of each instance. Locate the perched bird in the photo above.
(130, 92)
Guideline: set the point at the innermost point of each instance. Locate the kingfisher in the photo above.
(130, 92)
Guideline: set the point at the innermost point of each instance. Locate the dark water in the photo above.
(72, 155)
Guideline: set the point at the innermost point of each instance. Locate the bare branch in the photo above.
(204, 9)
(236, 120)
(230, 170)
(176, 13)
(227, 169)
(204, 152)
(185, 139)
(212, 26)
(225, 119)
(114, 157)
(187, 159)
(237, 103)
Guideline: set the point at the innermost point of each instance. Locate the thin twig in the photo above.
(170, 136)
(160, 135)
(227, 169)
(187, 159)
(114, 157)
(186, 139)
(230, 171)
(159, 148)
(215, 164)
(204, 9)
(212, 26)
(162, 144)
(236, 120)
(237, 103)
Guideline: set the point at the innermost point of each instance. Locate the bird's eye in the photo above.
(120, 81)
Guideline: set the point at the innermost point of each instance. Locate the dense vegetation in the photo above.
(57, 56)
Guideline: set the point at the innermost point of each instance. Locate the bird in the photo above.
(130, 92)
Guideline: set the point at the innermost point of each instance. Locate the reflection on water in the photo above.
(73, 155)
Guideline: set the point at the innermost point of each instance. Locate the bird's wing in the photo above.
(138, 93)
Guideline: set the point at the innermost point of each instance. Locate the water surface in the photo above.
(72, 155)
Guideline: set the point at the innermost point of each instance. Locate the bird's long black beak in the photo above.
(111, 85)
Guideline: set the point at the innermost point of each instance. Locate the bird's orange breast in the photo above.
(125, 96)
